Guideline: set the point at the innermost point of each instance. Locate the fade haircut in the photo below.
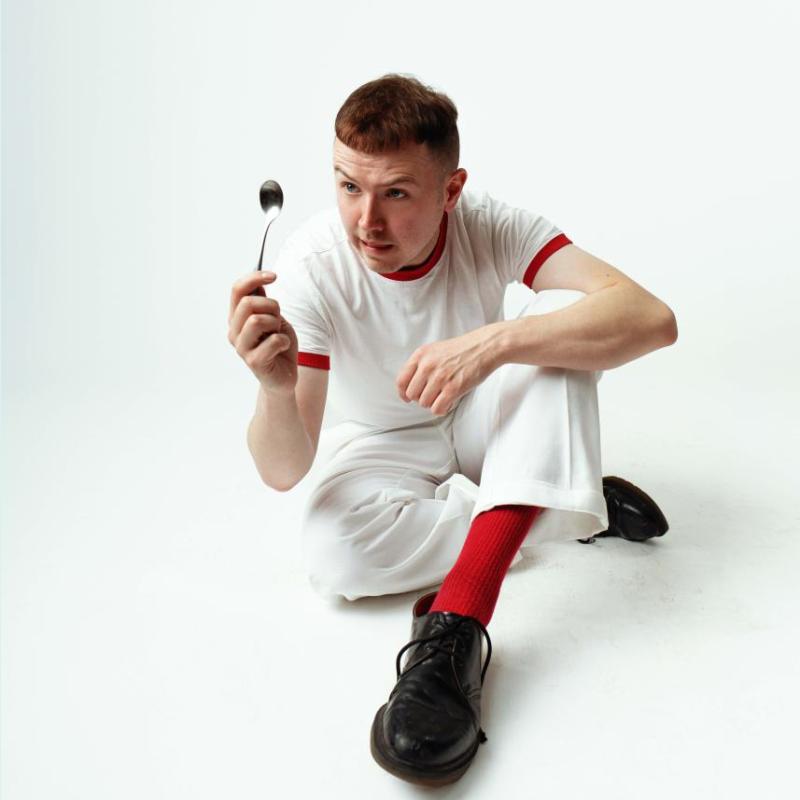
(395, 110)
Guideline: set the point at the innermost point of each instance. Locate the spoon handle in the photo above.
(261, 254)
(263, 243)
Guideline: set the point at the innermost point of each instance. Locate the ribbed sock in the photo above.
(472, 586)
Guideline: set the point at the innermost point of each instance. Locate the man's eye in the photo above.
(397, 192)
(346, 186)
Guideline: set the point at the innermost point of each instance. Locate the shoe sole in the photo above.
(622, 484)
(441, 776)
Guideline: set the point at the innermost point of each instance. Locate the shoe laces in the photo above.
(438, 640)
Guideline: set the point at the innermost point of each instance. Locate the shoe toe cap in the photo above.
(637, 521)
(427, 736)
(632, 516)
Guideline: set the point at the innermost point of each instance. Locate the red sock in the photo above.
(472, 586)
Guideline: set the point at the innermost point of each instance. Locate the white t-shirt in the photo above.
(363, 326)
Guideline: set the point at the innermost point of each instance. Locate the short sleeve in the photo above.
(522, 241)
(300, 305)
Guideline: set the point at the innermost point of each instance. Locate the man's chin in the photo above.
(383, 269)
(380, 261)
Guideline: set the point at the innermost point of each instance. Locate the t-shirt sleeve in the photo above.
(522, 241)
(301, 305)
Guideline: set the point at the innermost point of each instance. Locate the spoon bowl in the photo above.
(271, 198)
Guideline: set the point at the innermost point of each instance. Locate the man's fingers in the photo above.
(429, 394)
(246, 285)
(256, 328)
(441, 405)
(404, 378)
(250, 306)
(420, 384)
(266, 349)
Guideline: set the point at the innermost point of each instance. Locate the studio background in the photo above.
(159, 638)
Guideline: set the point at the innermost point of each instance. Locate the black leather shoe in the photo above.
(632, 514)
(430, 729)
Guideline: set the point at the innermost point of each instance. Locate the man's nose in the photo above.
(370, 214)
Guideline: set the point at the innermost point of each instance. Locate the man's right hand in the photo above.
(266, 342)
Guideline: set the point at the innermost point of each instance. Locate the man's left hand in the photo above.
(438, 374)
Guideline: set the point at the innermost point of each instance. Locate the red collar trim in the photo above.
(422, 269)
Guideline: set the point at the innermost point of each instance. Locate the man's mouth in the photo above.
(375, 246)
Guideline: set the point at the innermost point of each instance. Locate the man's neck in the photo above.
(424, 260)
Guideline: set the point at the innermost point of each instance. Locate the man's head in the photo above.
(395, 159)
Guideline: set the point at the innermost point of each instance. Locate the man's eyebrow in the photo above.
(398, 178)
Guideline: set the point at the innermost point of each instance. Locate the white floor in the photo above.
(160, 639)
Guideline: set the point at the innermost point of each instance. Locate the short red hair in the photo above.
(394, 110)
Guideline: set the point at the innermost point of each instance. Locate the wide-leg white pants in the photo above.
(390, 509)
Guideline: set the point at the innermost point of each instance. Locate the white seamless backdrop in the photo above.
(159, 638)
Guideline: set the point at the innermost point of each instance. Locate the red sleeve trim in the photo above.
(314, 360)
(554, 244)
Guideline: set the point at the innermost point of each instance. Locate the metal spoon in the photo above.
(271, 198)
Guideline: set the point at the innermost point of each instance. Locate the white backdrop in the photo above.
(138, 544)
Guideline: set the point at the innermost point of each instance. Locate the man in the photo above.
(466, 435)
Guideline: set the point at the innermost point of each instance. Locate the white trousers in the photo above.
(390, 509)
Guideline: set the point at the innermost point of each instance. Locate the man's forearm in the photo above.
(278, 441)
(600, 331)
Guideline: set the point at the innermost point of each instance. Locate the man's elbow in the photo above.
(280, 487)
(668, 326)
(282, 484)
(278, 484)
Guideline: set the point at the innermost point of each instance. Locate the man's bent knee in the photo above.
(350, 553)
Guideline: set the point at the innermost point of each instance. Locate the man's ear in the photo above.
(455, 183)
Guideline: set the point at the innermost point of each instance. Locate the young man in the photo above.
(466, 435)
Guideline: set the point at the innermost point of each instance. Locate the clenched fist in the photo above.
(266, 342)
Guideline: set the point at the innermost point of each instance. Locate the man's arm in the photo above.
(283, 434)
(614, 323)
(617, 321)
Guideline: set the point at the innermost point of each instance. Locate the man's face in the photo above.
(391, 204)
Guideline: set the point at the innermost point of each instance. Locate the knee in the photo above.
(347, 552)
(333, 568)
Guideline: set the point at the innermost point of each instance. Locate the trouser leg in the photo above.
(391, 510)
(531, 435)
(387, 513)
